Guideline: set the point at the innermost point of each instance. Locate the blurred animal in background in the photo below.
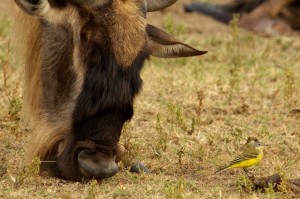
(265, 17)
(82, 63)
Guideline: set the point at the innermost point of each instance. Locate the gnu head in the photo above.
(82, 71)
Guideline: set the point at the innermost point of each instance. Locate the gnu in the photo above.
(82, 72)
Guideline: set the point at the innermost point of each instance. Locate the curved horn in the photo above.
(154, 5)
(88, 3)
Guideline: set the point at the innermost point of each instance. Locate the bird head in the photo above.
(260, 145)
(257, 145)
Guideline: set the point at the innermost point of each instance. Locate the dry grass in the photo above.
(193, 115)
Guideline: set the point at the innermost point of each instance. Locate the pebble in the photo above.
(139, 167)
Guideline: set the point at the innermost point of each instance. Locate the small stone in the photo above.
(139, 167)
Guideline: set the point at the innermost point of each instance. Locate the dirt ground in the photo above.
(193, 115)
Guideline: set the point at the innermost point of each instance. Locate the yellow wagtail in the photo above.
(251, 156)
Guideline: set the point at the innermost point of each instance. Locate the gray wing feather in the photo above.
(244, 156)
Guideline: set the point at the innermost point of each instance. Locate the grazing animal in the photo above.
(266, 17)
(82, 72)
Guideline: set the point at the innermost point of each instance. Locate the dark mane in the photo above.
(107, 94)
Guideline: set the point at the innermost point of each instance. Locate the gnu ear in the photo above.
(162, 44)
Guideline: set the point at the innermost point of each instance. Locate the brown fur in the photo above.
(45, 135)
(47, 138)
(129, 26)
(28, 49)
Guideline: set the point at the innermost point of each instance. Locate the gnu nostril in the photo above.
(34, 1)
(96, 164)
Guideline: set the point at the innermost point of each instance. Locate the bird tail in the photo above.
(222, 168)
